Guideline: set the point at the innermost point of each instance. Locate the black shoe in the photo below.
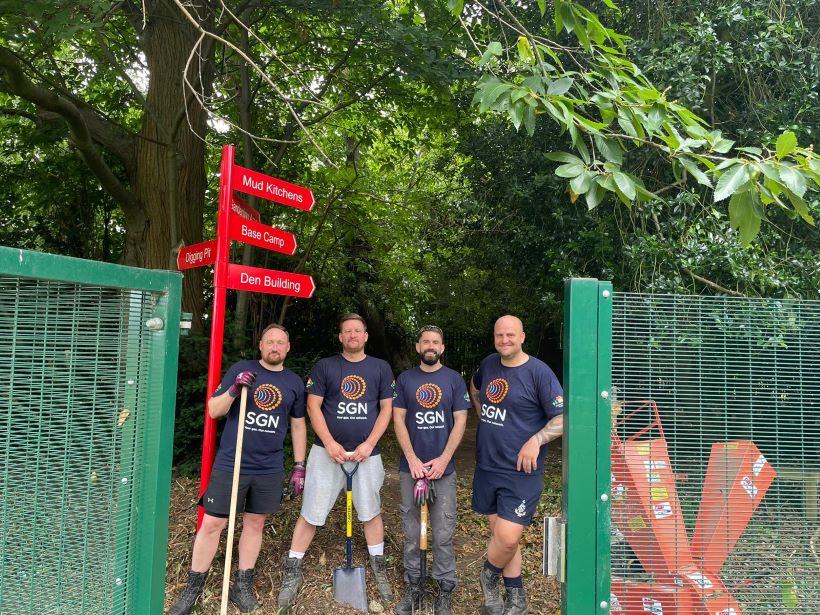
(410, 600)
(191, 593)
(291, 581)
(379, 567)
(444, 602)
(493, 604)
(515, 602)
(241, 593)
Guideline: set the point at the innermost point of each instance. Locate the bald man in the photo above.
(519, 402)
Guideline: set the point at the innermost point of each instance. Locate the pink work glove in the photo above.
(297, 478)
(424, 491)
(245, 379)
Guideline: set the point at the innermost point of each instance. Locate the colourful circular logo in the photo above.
(428, 395)
(267, 397)
(353, 387)
(497, 390)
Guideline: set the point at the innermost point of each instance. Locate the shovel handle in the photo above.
(349, 509)
(424, 518)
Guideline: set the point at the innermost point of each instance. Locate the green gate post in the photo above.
(586, 446)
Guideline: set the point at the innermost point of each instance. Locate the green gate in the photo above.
(88, 370)
(702, 416)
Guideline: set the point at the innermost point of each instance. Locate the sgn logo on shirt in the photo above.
(267, 398)
(352, 387)
(429, 396)
(495, 393)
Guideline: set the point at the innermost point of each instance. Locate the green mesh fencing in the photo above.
(715, 455)
(86, 423)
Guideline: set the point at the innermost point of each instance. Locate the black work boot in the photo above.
(191, 593)
(493, 604)
(291, 581)
(241, 593)
(379, 567)
(410, 600)
(444, 602)
(515, 602)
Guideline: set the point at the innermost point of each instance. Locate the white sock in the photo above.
(376, 549)
(296, 554)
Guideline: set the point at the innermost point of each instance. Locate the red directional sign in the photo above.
(238, 206)
(270, 281)
(197, 255)
(261, 235)
(271, 188)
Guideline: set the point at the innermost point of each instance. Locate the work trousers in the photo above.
(442, 514)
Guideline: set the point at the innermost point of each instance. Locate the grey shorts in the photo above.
(324, 481)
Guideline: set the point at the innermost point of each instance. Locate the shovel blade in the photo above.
(349, 587)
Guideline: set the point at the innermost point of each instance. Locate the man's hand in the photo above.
(243, 379)
(528, 456)
(362, 452)
(435, 468)
(424, 491)
(297, 478)
(337, 452)
(417, 469)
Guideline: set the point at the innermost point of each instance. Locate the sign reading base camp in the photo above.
(239, 221)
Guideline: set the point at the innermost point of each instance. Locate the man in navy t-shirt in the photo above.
(429, 416)
(519, 402)
(276, 397)
(350, 402)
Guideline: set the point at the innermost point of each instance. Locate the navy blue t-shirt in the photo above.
(430, 399)
(516, 403)
(272, 399)
(351, 392)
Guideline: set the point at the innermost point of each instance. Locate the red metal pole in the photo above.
(223, 246)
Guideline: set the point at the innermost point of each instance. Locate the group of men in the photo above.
(351, 398)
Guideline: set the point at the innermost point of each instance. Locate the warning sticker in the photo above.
(729, 611)
(758, 465)
(662, 510)
(652, 465)
(637, 523)
(700, 580)
(658, 494)
(618, 491)
(614, 604)
(653, 477)
(749, 486)
(643, 449)
(652, 606)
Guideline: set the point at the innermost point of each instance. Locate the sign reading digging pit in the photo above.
(197, 255)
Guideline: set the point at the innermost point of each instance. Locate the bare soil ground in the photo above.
(327, 550)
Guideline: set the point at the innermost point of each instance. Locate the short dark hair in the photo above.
(274, 326)
(351, 316)
(432, 328)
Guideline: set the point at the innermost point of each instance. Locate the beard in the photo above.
(274, 359)
(430, 357)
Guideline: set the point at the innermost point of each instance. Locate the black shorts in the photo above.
(260, 494)
(513, 497)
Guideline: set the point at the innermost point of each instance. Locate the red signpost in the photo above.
(239, 221)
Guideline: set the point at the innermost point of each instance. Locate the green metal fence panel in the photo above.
(586, 467)
(715, 455)
(88, 365)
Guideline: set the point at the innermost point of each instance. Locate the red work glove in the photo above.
(245, 379)
(297, 478)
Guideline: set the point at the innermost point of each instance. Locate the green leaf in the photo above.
(723, 145)
(756, 151)
(570, 170)
(731, 179)
(542, 6)
(742, 216)
(610, 148)
(800, 207)
(494, 49)
(581, 183)
(525, 53)
(695, 172)
(491, 94)
(560, 86)
(625, 184)
(563, 157)
(793, 179)
(529, 119)
(785, 144)
(594, 196)
(455, 6)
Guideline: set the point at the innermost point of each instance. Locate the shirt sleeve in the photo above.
(317, 381)
(550, 394)
(461, 398)
(387, 386)
(400, 398)
(298, 410)
(227, 379)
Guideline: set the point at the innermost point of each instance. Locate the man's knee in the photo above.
(253, 522)
(507, 534)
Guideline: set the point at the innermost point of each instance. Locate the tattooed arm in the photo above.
(551, 431)
(528, 455)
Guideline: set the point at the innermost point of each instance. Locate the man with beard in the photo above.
(350, 402)
(276, 396)
(519, 404)
(429, 416)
